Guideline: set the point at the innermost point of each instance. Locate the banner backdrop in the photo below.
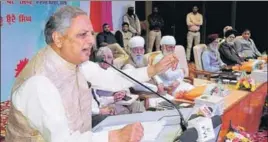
(22, 25)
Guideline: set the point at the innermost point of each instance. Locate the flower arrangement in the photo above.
(246, 82)
(238, 134)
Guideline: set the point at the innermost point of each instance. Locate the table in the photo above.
(244, 109)
(169, 131)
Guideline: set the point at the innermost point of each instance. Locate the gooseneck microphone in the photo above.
(183, 123)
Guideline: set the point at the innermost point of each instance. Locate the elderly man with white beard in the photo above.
(171, 80)
(211, 60)
(137, 60)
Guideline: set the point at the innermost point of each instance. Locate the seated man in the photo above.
(171, 80)
(136, 60)
(107, 38)
(136, 48)
(107, 98)
(227, 50)
(123, 36)
(211, 60)
(225, 29)
(246, 47)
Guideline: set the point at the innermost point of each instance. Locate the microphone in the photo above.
(183, 123)
(191, 134)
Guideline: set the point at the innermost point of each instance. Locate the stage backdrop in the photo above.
(22, 24)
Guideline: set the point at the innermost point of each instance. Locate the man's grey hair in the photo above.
(102, 51)
(61, 20)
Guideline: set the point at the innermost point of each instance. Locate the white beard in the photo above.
(166, 53)
(138, 60)
(212, 48)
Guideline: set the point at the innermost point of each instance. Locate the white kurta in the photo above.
(168, 77)
(95, 107)
(40, 102)
(138, 87)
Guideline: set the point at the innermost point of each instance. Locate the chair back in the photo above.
(198, 49)
(180, 53)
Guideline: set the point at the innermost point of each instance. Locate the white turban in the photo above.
(136, 41)
(168, 40)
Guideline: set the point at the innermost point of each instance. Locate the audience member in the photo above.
(171, 80)
(194, 20)
(225, 29)
(132, 19)
(246, 47)
(107, 38)
(227, 50)
(211, 60)
(123, 36)
(156, 23)
(137, 60)
(107, 98)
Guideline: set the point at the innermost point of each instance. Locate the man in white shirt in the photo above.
(170, 81)
(108, 98)
(137, 60)
(50, 98)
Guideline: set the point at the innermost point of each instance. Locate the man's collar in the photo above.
(59, 60)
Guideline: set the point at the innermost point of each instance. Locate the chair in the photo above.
(180, 52)
(198, 50)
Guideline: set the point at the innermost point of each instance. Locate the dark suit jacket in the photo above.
(229, 55)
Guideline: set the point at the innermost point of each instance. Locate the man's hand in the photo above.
(107, 111)
(118, 96)
(169, 61)
(130, 133)
(180, 94)
(174, 85)
(160, 88)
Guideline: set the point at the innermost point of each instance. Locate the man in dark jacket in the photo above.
(106, 37)
(156, 23)
(227, 50)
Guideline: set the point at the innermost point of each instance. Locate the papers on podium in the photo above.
(151, 129)
(154, 102)
(129, 102)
